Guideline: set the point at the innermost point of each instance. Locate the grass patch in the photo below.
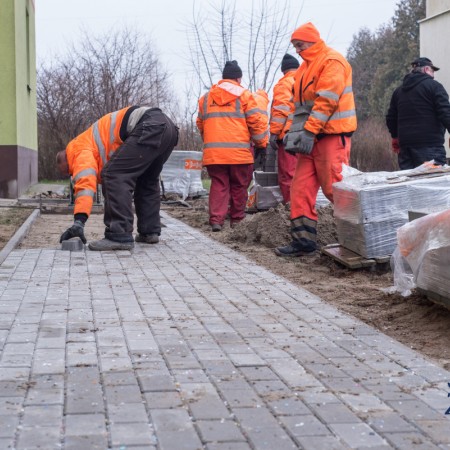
(206, 183)
(61, 182)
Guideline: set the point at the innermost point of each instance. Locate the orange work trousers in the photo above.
(321, 168)
(286, 170)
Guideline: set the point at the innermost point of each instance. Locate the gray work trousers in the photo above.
(133, 173)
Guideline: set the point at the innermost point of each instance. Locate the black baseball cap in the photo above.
(422, 62)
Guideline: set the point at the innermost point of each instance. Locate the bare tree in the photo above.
(103, 74)
(260, 37)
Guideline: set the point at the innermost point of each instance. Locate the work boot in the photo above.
(106, 244)
(291, 251)
(234, 224)
(216, 227)
(151, 238)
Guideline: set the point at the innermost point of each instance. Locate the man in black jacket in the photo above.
(417, 117)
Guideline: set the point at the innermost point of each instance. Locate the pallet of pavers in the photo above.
(370, 207)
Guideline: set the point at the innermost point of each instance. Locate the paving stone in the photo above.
(364, 402)
(410, 440)
(132, 434)
(305, 425)
(358, 435)
(42, 416)
(85, 424)
(329, 442)
(258, 373)
(162, 400)
(203, 401)
(127, 412)
(389, 422)
(8, 425)
(174, 429)
(439, 430)
(13, 388)
(219, 431)
(122, 394)
(334, 413)
(263, 430)
(415, 410)
(189, 376)
(286, 405)
(31, 438)
(91, 442)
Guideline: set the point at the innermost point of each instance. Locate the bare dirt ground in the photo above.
(10, 221)
(415, 321)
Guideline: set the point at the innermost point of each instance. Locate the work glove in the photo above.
(304, 143)
(273, 141)
(395, 145)
(260, 157)
(76, 230)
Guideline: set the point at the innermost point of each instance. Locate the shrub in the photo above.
(371, 147)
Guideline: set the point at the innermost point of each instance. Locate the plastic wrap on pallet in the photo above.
(264, 192)
(368, 198)
(424, 248)
(383, 198)
(181, 174)
(370, 240)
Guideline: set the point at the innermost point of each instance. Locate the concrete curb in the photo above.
(19, 235)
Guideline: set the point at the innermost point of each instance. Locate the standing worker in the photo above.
(280, 120)
(323, 122)
(418, 115)
(125, 152)
(228, 120)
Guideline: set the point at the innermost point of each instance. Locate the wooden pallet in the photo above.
(351, 259)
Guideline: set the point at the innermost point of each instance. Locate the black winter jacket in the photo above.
(419, 112)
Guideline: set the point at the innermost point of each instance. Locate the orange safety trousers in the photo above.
(286, 169)
(321, 168)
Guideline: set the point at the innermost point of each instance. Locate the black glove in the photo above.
(273, 141)
(76, 230)
(260, 157)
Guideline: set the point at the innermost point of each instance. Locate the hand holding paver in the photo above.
(76, 230)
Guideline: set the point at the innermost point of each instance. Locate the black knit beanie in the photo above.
(231, 71)
(289, 62)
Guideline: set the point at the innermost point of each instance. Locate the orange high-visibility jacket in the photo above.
(228, 119)
(282, 105)
(323, 82)
(89, 152)
(262, 100)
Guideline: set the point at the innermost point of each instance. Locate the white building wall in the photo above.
(435, 42)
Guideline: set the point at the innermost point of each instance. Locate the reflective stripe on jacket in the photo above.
(262, 100)
(228, 119)
(282, 105)
(324, 82)
(88, 153)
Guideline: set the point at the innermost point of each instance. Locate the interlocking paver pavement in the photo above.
(189, 345)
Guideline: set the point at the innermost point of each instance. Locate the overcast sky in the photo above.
(58, 22)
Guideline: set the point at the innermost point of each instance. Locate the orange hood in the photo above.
(226, 91)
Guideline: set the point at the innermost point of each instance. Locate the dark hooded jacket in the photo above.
(419, 112)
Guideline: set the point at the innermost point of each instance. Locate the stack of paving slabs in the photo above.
(182, 172)
(264, 192)
(425, 244)
(370, 207)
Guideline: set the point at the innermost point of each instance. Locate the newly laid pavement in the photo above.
(189, 345)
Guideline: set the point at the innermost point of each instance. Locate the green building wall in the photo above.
(18, 113)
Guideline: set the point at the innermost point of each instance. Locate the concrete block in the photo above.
(73, 245)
